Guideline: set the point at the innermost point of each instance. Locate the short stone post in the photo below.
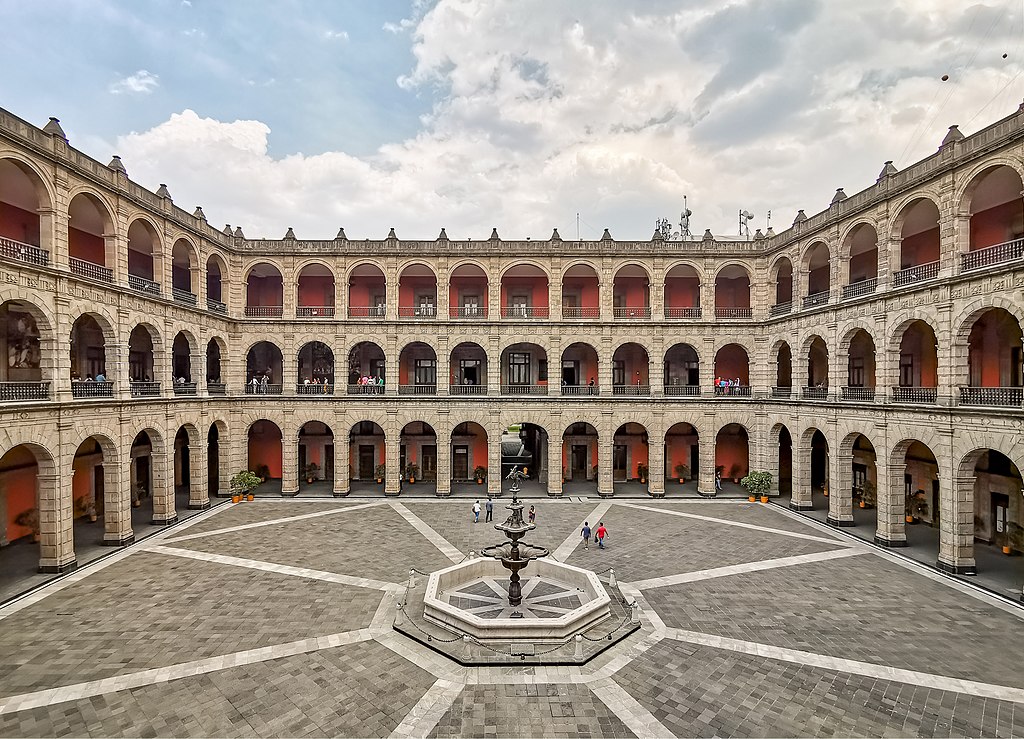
(466, 648)
(398, 614)
(611, 579)
(578, 654)
(412, 579)
(636, 612)
(472, 554)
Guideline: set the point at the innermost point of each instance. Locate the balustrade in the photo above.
(781, 309)
(683, 312)
(737, 391)
(15, 391)
(1008, 251)
(90, 271)
(315, 389)
(815, 393)
(143, 285)
(467, 311)
(85, 389)
(524, 389)
(816, 299)
(11, 249)
(417, 389)
(314, 311)
(217, 388)
(524, 311)
(260, 389)
(581, 311)
(144, 389)
(631, 389)
(366, 311)
(682, 390)
(467, 389)
(857, 289)
(417, 311)
(184, 388)
(915, 274)
(581, 390)
(1003, 397)
(924, 395)
(781, 393)
(216, 306)
(643, 311)
(858, 393)
(183, 296)
(264, 311)
(723, 312)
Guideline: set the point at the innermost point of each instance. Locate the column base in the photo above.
(340, 493)
(794, 506)
(116, 540)
(964, 569)
(890, 543)
(656, 493)
(289, 493)
(201, 505)
(56, 569)
(392, 493)
(443, 493)
(840, 522)
(605, 494)
(706, 494)
(164, 521)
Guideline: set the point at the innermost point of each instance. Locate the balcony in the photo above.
(16, 391)
(915, 274)
(314, 311)
(683, 312)
(216, 388)
(863, 394)
(584, 311)
(185, 388)
(722, 312)
(215, 306)
(631, 389)
(143, 285)
(264, 311)
(144, 389)
(90, 271)
(259, 389)
(1009, 251)
(365, 389)
(735, 391)
(524, 311)
(183, 296)
(1001, 397)
(816, 299)
(82, 389)
(417, 311)
(858, 289)
(577, 390)
(10, 249)
(781, 309)
(467, 311)
(642, 311)
(417, 389)
(366, 311)
(814, 393)
(781, 393)
(314, 389)
(524, 389)
(467, 390)
(922, 395)
(692, 391)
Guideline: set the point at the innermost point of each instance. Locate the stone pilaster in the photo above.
(956, 527)
(891, 524)
(162, 481)
(444, 466)
(656, 467)
(554, 466)
(56, 534)
(801, 500)
(198, 479)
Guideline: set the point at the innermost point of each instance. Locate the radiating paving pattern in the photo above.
(273, 618)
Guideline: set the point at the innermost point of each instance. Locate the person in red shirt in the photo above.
(601, 533)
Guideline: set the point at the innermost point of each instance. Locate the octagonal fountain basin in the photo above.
(559, 600)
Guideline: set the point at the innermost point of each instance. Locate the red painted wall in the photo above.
(631, 292)
(264, 291)
(265, 449)
(21, 496)
(141, 265)
(731, 362)
(864, 266)
(732, 293)
(729, 451)
(316, 291)
(20, 225)
(86, 247)
(996, 225)
(362, 290)
(410, 287)
(682, 292)
(535, 287)
(922, 248)
(467, 286)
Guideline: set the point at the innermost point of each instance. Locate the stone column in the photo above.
(162, 480)
(117, 502)
(658, 298)
(801, 500)
(840, 488)
(494, 473)
(393, 476)
(53, 234)
(492, 347)
(443, 296)
(705, 476)
(391, 300)
(656, 466)
(198, 478)
(444, 466)
(656, 374)
(890, 530)
(956, 527)
(289, 463)
(56, 520)
(554, 466)
(342, 483)
(605, 463)
(493, 300)
(116, 361)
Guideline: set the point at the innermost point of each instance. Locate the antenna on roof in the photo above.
(684, 222)
(745, 216)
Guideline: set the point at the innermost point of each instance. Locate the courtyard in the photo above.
(273, 618)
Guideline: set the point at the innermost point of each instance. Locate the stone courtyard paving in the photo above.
(273, 618)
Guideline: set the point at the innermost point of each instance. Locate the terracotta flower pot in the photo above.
(862, 504)
(1007, 550)
(479, 481)
(236, 498)
(252, 497)
(752, 498)
(910, 519)
(764, 498)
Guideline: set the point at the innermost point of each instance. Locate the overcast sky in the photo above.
(515, 114)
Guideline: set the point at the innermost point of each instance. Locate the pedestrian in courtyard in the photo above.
(585, 533)
(532, 514)
(489, 508)
(601, 533)
(476, 512)
(718, 478)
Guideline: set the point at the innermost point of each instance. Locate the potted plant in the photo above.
(411, 470)
(758, 484)
(379, 471)
(917, 507)
(734, 473)
(682, 472)
(868, 494)
(565, 474)
(30, 520)
(480, 473)
(310, 472)
(263, 472)
(242, 485)
(1014, 538)
(641, 472)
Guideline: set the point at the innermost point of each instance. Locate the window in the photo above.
(469, 372)
(471, 305)
(426, 372)
(425, 305)
(520, 306)
(856, 372)
(542, 370)
(619, 372)
(377, 368)
(378, 306)
(906, 370)
(519, 368)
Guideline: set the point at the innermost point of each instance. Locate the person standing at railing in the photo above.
(101, 377)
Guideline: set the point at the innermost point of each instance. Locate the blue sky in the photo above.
(515, 114)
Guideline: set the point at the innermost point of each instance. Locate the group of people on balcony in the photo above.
(725, 386)
(100, 377)
(259, 383)
(366, 383)
(317, 385)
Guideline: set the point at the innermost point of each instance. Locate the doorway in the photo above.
(579, 462)
(429, 460)
(570, 372)
(460, 462)
(366, 461)
(619, 463)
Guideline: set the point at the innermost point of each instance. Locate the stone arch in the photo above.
(969, 179)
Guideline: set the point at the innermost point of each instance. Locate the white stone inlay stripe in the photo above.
(254, 564)
(423, 717)
(637, 718)
(740, 569)
(443, 545)
(573, 540)
(854, 667)
(738, 524)
(287, 519)
(142, 678)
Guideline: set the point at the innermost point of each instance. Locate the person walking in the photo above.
(532, 516)
(585, 533)
(489, 508)
(476, 512)
(718, 478)
(601, 533)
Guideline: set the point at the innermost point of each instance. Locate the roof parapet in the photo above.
(289, 235)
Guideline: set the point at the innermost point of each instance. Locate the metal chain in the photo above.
(430, 637)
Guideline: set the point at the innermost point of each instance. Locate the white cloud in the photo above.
(336, 35)
(616, 110)
(140, 83)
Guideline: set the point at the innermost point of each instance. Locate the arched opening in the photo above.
(181, 365)
(92, 514)
(581, 292)
(89, 229)
(147, 484)
(417, 456)
(630, 458)
(263, 369)
(417, 370)
(524, 292)
(732, 371)
(214, 382)
(22, 198)
(863, 483)
(265, 454)
(817, 264)
(682, 371)
(817, 370)
(524, 370)
(682, 456)
(525, 445)
(315, 292)
(998, 522)
(366, 458)
(860, 367)
(141, 364)
(580, 370)
(316, 458)
(994, 357)
(213, 467)
(469, 457)
(467, 292)
(682, 292)
(783, 287)
(997, 218)
(184, 272)
(732, 458)
(861, 244)
(417, 292)
(366, 369)
(264, 292)
(22, 526)
(216, 272)
(580, 459)
(467, 369)
(89, 359)
(631, 370)
(783, 387)
(919, 489)
(732, 293)
(367, 292)
(631, 293)
(919, 365)
(785, 460)
(819, 470)
(27, 373)
(144, 264)
(919, 243)
(182, 470)
(315, 369)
